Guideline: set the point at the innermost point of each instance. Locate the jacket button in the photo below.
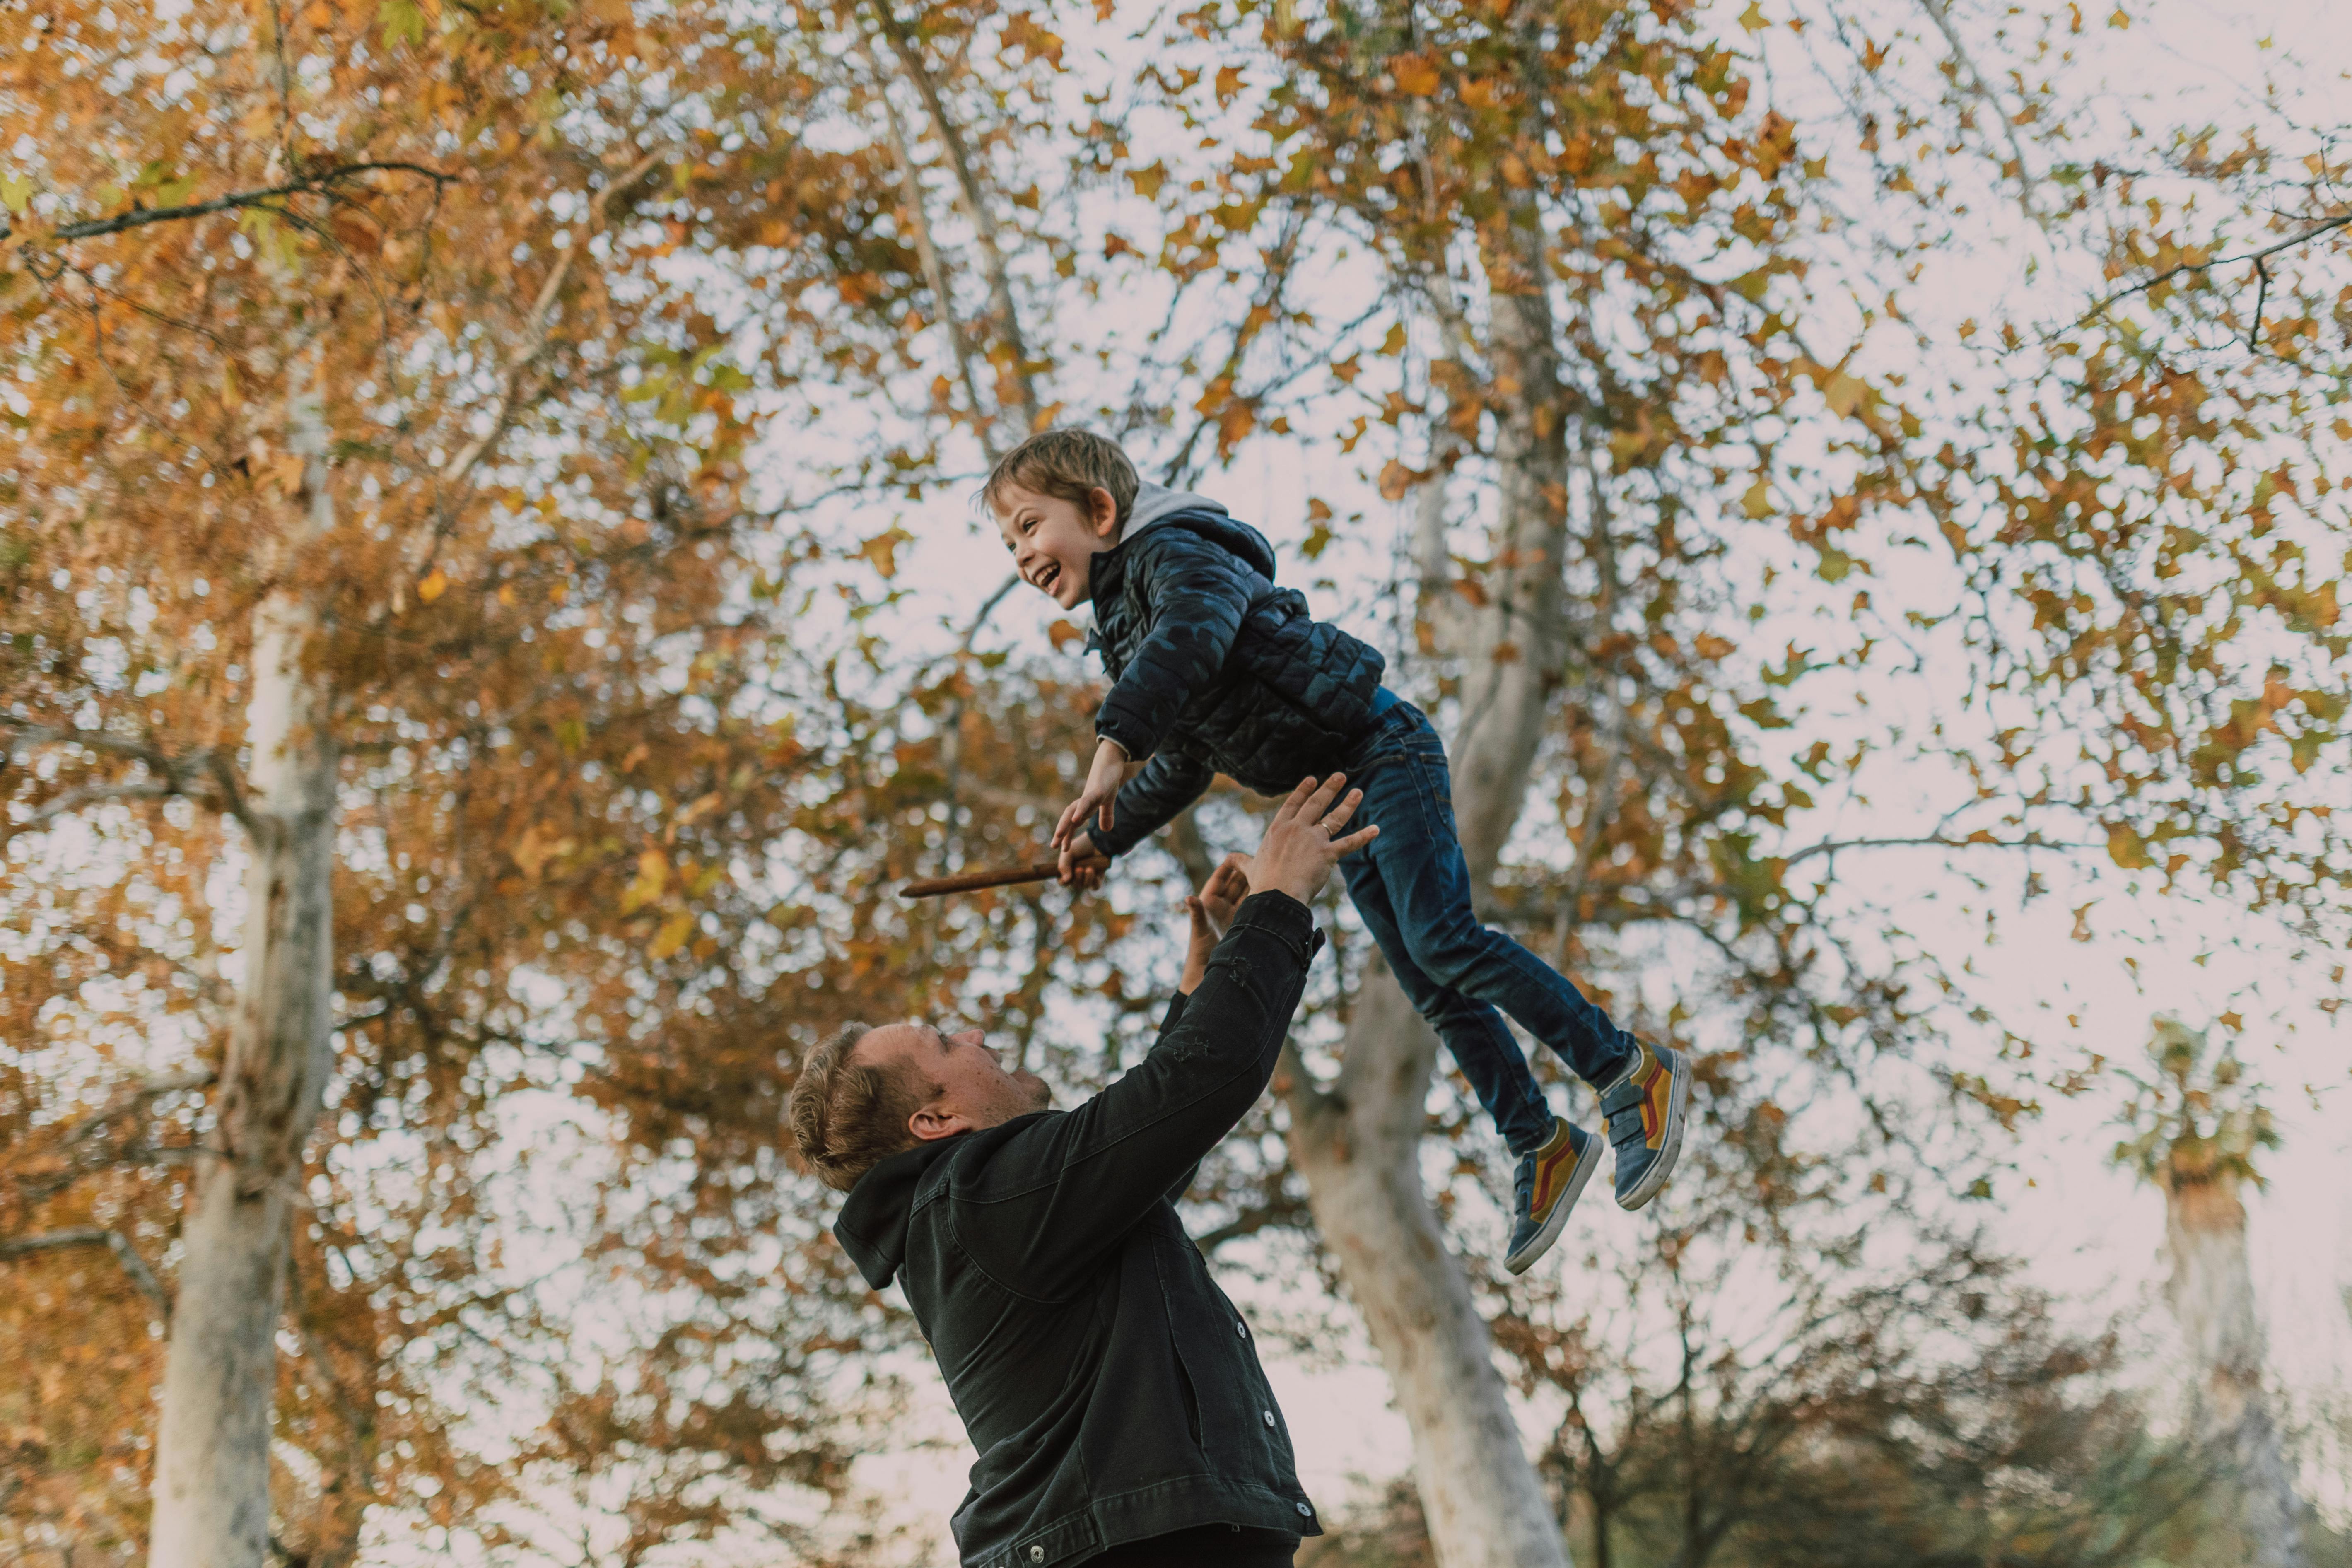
(1036, 1554)
(1269, 1417)
(1304, 1511)
(1241, 1328)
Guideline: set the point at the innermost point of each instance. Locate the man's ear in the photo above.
(931, 1124)
(1102, 511)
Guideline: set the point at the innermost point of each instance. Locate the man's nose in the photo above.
(969, 1038)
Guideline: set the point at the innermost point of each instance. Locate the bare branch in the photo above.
(98, 795)
(205, 774)
(2256, 257)
(535, 324)
(314, 184)
(935, 272)
(1934, 841)
(1940, 11)
(136, 1096)
(114, 1241)
(973, 199)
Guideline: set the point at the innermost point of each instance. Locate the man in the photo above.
(1112, 1392)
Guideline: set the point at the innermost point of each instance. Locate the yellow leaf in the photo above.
(1393, 344)
(1064, 634)
(433, 586)
(1415, 74)
(1843, 394)
(2231, 1020)
(1149, 180)
(672, 936)
(1396, 478)
(1229, 84)
(1753, 17)
(2125, 848)
(1757, 501)
(882, 550)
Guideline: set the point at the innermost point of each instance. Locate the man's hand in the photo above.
(1211, 910)
(1082, 865)
(1303, 842)
(1103, 779)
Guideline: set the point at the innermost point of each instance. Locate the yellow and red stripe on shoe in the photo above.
(1555, 1162)
(1657, 1087)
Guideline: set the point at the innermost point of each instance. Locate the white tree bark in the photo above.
(212, 1463)
(1359, 1144)
(1359, 1147)
(2212, 1295)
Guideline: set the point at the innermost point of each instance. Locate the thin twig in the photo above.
(140, 218)
(2257, 257)
(133, 1265)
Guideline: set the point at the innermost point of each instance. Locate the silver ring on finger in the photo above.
(1330, 828)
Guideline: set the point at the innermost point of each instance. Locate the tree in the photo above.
(1853, 1385)
(2198, 1129)
(377, 529)
(1629, 329)
(1591, 316)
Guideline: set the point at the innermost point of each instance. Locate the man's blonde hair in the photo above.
(847, 1117)
(1065, 464)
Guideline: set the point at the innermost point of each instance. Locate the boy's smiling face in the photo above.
(1055, 541)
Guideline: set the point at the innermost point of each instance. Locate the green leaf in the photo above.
(402, 21)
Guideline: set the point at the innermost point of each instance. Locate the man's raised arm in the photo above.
(1065, 1188)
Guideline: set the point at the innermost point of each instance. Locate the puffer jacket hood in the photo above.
(1156, 504)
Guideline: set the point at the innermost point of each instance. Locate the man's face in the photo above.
(975, 1090)
(1055, 541)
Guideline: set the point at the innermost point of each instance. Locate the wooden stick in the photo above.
(973, 881)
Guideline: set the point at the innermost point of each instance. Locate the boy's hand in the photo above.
(1082, 865)
(1303, 842)
(1211, 910)
(1103, 779)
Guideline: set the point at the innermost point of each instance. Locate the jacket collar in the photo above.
(880, 1209)
(872, 1224)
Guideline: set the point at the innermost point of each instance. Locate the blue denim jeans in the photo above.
(1412, 888)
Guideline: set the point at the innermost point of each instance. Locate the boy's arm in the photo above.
(1169, 783)
(1198, 593)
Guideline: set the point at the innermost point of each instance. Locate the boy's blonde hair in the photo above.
(1065, 464)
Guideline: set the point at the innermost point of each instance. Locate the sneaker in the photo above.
(1544, 1189)
(1644, 1105)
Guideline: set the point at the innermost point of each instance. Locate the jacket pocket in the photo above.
(1228, 1403)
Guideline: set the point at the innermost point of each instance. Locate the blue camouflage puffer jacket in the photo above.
(1214, 669)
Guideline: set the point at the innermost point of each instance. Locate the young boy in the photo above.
(1214, 669)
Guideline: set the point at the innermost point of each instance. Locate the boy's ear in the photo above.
(1102, 511)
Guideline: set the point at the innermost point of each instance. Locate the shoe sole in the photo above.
(1677, 1105)
(1519, 1262)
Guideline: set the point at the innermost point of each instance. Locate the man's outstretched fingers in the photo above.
(1355, 840)
(1337, 817)
(1296, 800)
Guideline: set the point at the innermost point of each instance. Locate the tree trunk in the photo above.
(2212, 1294)
(1359, 1145)
(1359, 1148)
(212, 1461)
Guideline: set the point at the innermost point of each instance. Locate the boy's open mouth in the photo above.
(1047, 574)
